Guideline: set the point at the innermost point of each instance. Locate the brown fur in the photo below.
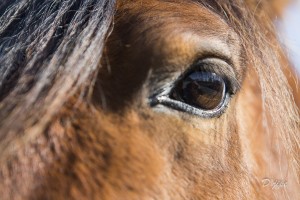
(107, 143)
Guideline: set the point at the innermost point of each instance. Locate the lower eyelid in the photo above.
(180, 106)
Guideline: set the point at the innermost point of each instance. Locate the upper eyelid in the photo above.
(215, 65)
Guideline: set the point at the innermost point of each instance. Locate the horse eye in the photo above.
(199, 92)
(203, 90)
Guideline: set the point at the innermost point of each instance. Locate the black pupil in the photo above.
(204, 90)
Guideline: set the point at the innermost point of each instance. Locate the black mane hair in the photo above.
(48, 51)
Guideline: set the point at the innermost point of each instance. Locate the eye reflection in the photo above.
(203, 90)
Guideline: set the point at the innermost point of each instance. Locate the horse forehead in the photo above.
(176, 15)
(175, 32)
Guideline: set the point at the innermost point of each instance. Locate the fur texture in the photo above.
(74, 117)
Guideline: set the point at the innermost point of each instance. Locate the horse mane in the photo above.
(51, 51)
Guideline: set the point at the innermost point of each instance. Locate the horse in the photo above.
(146, 99)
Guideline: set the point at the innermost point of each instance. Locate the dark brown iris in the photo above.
(202, 90)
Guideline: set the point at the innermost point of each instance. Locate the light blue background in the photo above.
(289, 32)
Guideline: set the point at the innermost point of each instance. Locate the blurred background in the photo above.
(289, 32)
